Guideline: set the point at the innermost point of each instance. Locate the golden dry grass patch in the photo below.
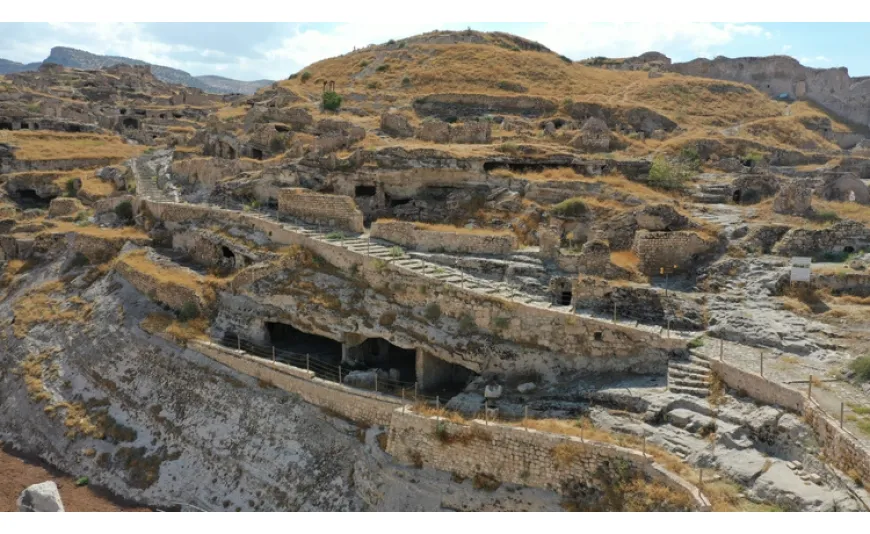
(44, 145)
(41, 305)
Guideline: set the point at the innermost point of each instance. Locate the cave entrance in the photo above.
(227, 253)
(365, 191)
(230, 152)
(848, 249)
(736, 196)
(565, 298)
(285, 337)
(256, 153)
(130, 123)
(28, 198)
(440, 377)
(392, 202)
(5, 125)
(377, 353)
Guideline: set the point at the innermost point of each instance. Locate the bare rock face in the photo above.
(42, 497)
(396, 125)
(845, 188)
(434, 131)
(64, 206)
(661, 217)
(594, 136)
(793, 199)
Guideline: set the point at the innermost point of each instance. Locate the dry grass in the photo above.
(38, 306)
(626, 259)
(786, 132)
(32, 369)
(166, 274)
(126, 232)
(43, 145)
(230, 112)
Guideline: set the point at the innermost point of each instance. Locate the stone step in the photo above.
(688, 375)
(700, 362)
(689, 383)
(690, 369)
(703, 198)
(696, 391)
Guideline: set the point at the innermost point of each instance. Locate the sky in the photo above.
(249, 51)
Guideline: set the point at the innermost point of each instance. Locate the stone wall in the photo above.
(534, 337)
(333, 210)
(667, 250)
(839, 446)
(409, 235)
(819, 241)
(518, 456)
(447, 106)
(362, 406)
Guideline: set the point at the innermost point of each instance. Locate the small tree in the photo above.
(71, 187)
(124, 211)
(331, 100)
(305, 76)
(189, 311)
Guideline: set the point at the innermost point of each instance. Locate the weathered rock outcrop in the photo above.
(623, 118)
(832, 89)
(455, 105)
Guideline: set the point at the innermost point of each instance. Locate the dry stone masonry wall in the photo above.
(409, 235)
(520, 456)
(317, 208)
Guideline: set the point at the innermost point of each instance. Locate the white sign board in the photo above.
(800, 269)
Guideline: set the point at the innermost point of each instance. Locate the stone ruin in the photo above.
(845, 187)
(794, 198)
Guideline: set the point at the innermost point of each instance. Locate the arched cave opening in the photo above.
(848, 249)
(736, 196)
(565, 297)
(286, 337)
(365, 191)
(227, 253)
(130, 123)
(5, 125)
(256, 153)
(28, 199)
(377, 353)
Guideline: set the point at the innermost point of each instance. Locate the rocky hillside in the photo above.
(79, 59)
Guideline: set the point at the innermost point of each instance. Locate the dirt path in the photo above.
(16, 474)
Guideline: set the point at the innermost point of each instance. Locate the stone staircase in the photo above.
(712, 194)
(691, 376)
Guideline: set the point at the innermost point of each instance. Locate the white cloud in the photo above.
(816, 61)
(786, 48)
(621, 39)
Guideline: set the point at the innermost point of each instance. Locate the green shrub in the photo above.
(406, 81)
(666, 174)
(331, 100)
(825, 216)
(697, 342)
(305, 76)
(432, 312)
(391, 42)
(466, 324)
(373, 85)
(500, 323)
(363, 64)
(396, 252)
(71, 187)
(335, 235)
(566, 59)
(124, 211)
(79, 260)
(508, 148)
(383, 68)
(82, 481)
(189, 311)
(861, 367)
(573, 207)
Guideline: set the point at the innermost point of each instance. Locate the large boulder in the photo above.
(60, 207)
(434, 131)
(661, 217)
(594, 136)
(845, 187)
(42, 497)
(365, 379)
(396, 125)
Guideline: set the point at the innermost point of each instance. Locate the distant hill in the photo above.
(9, 67)
(79, 59)
(228, 85)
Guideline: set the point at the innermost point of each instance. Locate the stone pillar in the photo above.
(432, 371)
(351, 349)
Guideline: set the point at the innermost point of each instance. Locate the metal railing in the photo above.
(313, 362)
